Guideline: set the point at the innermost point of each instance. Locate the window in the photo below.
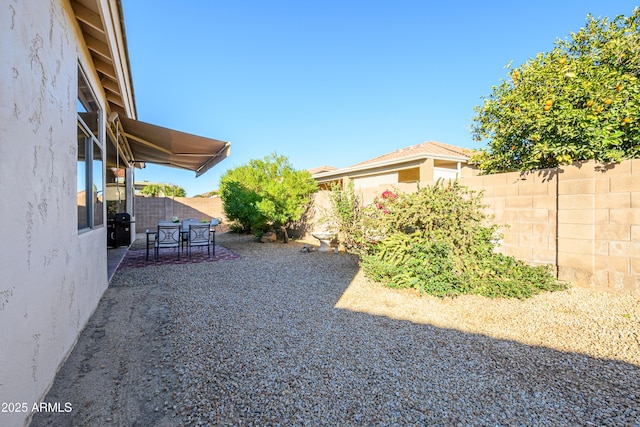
(97, 186)
(409, 175)
(116, 190)
(90, 169)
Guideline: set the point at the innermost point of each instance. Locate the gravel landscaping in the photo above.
(284, 337)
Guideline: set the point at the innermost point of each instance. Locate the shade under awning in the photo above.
(155, 144)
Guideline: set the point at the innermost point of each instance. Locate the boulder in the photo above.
(268, 237)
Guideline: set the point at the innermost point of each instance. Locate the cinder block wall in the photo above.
(584, 219)
(599, 225)
(524, 205)
(150, 210)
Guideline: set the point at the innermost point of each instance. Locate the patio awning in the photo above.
(155, 144)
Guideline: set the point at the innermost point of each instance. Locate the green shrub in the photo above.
(266, 193)
(439, 241)
(346, 217)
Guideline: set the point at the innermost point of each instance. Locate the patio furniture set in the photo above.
(191, 233)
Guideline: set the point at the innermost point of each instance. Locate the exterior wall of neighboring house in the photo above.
(375, 180)
(366, 179)
(52, 273)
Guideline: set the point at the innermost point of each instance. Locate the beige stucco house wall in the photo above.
(425, 162)
(52, 274)
(68, 134)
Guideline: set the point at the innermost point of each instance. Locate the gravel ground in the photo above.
(282, 337)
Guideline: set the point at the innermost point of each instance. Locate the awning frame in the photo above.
(148, 143)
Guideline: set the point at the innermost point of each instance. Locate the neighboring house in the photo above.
(421, 163)
(68, 133)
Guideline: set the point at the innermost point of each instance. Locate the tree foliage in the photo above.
(266, 193)
(163, 190)
(579, 101)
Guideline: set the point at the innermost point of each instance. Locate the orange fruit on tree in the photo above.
(589, 103)
(608, 101)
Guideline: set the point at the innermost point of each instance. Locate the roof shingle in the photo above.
(430, 147)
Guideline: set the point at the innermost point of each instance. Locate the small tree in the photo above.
(163, 190)
(579, 101)
(266, 193)
(345, 217)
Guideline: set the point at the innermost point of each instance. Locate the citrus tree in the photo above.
(579, 101)
(266, 193)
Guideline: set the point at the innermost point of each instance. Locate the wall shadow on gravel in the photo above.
(282, 347)
(451, 377)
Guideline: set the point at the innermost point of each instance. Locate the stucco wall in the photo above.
(52, 276)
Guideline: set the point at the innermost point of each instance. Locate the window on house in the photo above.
(90, 169)
(409, 175)
(116, 190)
(97, 186)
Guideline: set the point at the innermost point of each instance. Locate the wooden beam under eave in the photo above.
(110, 85)
(87, 16)
(114, 99)
(105, 68)
(118, 109)
(97, 47)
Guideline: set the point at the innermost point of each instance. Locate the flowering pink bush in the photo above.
(389, 195)
(386, 199)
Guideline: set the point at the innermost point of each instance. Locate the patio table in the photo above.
(150, 233)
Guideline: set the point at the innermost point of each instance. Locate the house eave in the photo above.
(101, 24)
(338, 173)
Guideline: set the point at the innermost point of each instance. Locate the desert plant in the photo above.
(346, 217)
(266, 193)
(439, 241)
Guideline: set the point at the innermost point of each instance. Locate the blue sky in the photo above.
(331, 82)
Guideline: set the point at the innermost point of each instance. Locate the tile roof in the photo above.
(430, 147)
(321, 169)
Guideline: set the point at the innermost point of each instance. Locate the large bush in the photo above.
(438, 241)
(266, 193)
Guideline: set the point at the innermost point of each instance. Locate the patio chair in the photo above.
(168, 237)
(198, 236)
(185, 229)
